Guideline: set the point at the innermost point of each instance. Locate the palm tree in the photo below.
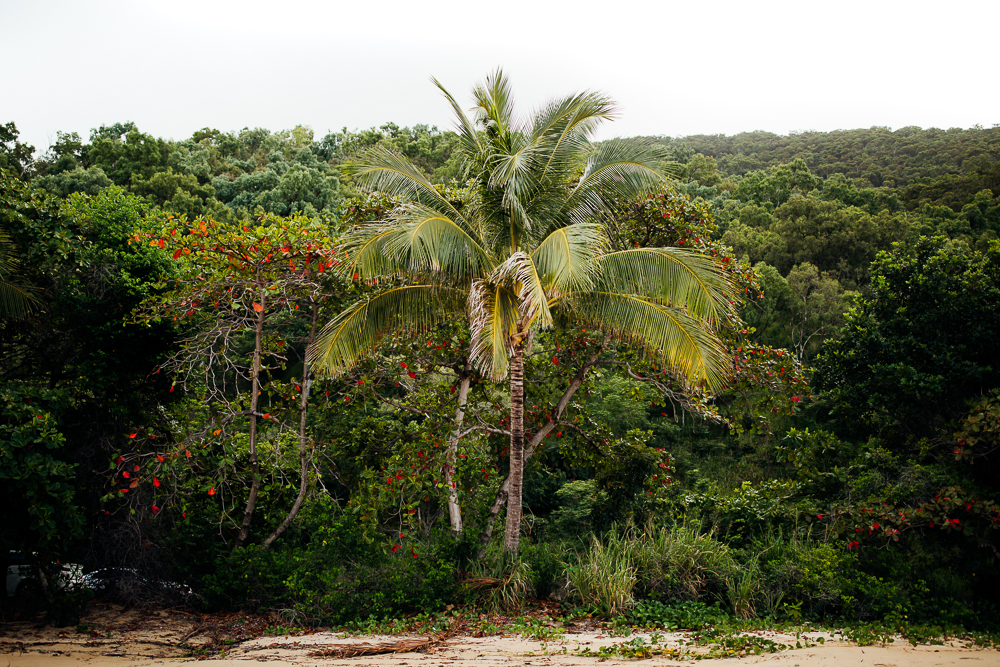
(528, 245)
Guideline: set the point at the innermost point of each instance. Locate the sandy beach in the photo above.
(112, 636)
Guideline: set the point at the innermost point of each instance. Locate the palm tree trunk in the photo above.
(512, 536)
(454, 509)
(254, 396)
(504, 491)
(305, 452)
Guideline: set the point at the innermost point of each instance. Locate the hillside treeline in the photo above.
(159, 418)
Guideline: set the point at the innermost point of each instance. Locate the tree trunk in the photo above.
(504, 491)
(50, 602)
(454, 509)
(254, 404)
(305, 452)
(512, 535)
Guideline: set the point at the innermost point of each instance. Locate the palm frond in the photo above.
(495, 106)
(572, 115)
(468, 138)
(618, 168)
(565, 127)
(384, 170)
(17, 300)
(519, 274)
(418, 240)
(565, 258)
(493, 316)
(669, 335)
(670, 276)
(357, 330)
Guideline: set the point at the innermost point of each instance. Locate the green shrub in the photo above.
(326, 570)
(546, 566)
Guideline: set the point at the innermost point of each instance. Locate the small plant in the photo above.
(730, 644)
(486, 628)
(539, 629)
(687, 615)
(376, 626)
(741, 591)
(868, 634)
(637, 648)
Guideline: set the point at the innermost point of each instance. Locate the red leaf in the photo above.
(155, 509)
(266, 415)
(178, 253)
(159, 457)
(322, 267)
(125, 474)
(403, 364)
(119, 460)
(355, 275)
(134, 434)
(258, 307)
(187, 453)
(136, 469)
(412, 375)
(123, 490)
(211, 490)
(162, 244)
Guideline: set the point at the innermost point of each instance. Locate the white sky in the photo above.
(676, 68)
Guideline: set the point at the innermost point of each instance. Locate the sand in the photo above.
(114, 637)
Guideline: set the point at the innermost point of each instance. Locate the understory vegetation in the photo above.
(166, 419)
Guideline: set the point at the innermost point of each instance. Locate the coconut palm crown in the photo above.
(528, 245)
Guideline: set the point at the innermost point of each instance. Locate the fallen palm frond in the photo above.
(505, 592)
(480, 583)
(400, 646)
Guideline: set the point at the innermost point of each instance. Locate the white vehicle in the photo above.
(21, 576)
(107, 578)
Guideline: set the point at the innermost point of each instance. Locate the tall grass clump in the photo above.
(499, 582)
(681, 562)
(606, 574)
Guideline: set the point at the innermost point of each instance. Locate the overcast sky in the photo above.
(675, 68)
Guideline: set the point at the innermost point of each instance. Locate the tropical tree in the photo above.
(526, 248)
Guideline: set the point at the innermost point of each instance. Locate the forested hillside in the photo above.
(800, 419)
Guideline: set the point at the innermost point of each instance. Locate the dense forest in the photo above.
(174, 407)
